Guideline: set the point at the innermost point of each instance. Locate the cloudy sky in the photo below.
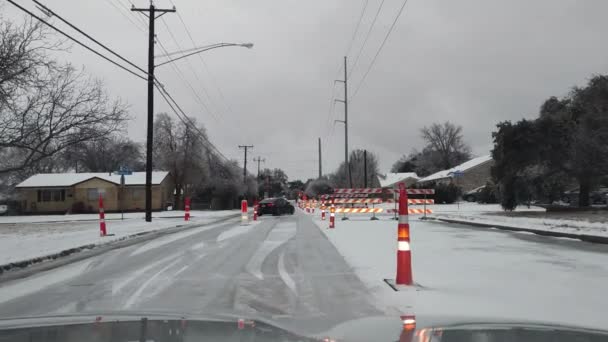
(472, 62)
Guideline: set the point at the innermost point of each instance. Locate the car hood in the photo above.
(162, 327)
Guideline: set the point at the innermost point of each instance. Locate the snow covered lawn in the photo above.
(27, 237)
(484, 274)
(535, 218)
(109, 216)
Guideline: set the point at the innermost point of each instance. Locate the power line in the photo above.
(350, 45)
(211, 76)
(193, 71)
(75, 40)
(371, 27)
(128, 17)
(181, 75)
(88, 36)
(166, 94)
(380, 49)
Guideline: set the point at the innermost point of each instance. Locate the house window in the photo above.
(138, 194)
(93, 194)
(51, 195)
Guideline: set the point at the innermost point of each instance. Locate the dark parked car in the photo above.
(473, 195)
(275, 206)
(599, 196)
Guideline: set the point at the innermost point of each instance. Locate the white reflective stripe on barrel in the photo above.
(404, 219)
(403, 246)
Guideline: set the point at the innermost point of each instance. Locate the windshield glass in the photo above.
(331, 169)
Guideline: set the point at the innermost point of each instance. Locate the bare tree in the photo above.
(180, 149)
(104, 155)
(46, 107)
(447, 143)
(69, 110)
(23, 57)
(357, 168)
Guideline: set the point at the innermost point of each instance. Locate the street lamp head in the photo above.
(247, 45)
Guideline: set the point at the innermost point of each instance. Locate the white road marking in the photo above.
(278, 236)
(285, 275)
(137, 295)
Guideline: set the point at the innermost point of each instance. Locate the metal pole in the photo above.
(365, 168)
(347, 165)
(425, 205)
(320, 162)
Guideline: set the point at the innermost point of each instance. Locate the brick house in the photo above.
(68, 192)
(468, 176)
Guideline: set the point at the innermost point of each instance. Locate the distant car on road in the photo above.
(3, 209)
(275, 206)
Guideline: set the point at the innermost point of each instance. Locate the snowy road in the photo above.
(289, 271)
(281, 268)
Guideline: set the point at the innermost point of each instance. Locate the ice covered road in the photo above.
(286, 269)
(279, 268)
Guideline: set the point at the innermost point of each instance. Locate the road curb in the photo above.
(26, 268)
(582, 237)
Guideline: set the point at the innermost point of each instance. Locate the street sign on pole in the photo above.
(457, 174)
(122, 171)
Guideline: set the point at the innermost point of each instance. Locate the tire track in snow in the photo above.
(137, 295)
(279, 235)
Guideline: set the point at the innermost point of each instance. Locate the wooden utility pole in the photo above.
(152, 16)
(246, 147)
(259, 160)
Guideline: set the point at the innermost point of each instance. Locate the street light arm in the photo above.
(207, 48)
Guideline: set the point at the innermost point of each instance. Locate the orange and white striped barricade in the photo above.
(411, 211)
(359, 210)
(424, 201)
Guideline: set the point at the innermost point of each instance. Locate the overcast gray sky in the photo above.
(473, 62)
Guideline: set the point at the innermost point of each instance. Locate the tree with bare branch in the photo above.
(46, 107)
(446, 142)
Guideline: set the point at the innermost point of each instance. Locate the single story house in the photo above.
(79, 192)
(468, 176)
(392, 180)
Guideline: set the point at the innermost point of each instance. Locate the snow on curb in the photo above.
(544, 227)
(99, 247)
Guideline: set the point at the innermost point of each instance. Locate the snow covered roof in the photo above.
(393, 178)
(69, 179)
(459, 168)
